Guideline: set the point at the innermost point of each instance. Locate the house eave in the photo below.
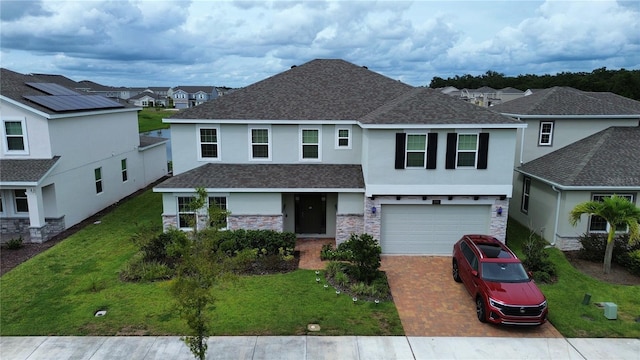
(261, 190)
(523, 116)
(451, 190)
(256, 121)
(443, 126)
(579, 188)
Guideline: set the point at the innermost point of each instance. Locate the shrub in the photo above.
(630, 261)
(593, 246)
(365, 252)
(14, 244)
(332, 268)
(341, 278)
(243, 260)
(342, 253)
(272, 242)
(537, 260)
(139, 270)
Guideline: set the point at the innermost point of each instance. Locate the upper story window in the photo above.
(526, 190)
(310, 144)
(467, 150)
(98, 177)
(15, 135)
(416, 150)
(343, 137)
(20, 198)
(546, 133)
(208, 143)
(260, 140)
(598, 224)
(123, 167)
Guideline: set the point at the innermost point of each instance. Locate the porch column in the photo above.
(36, 207)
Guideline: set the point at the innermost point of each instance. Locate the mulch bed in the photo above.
(618, 274)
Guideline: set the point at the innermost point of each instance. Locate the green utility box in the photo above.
(610, 310)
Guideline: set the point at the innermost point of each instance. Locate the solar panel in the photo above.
(74, 102)
(52, 88)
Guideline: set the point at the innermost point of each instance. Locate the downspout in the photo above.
(555, 226)
(522, 144)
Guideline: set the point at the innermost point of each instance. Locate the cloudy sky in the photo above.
(236, 43)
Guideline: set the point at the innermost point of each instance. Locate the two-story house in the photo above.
(329, 148)
(190, 96)
(578, 146)
(65, 156)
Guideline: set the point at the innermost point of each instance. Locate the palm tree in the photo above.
(618, 212)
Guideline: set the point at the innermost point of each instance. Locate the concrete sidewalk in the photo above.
(317, 347)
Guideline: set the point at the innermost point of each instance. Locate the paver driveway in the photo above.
(430, 303)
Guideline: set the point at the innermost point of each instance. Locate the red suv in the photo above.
(504, 292)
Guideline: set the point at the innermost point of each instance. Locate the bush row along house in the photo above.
(66, 155)
(328, 148)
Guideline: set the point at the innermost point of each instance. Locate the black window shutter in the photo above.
(400, 145)
(452, 147)
(432, 150)
(483, 150)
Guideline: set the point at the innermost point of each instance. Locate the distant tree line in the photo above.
(622, 82)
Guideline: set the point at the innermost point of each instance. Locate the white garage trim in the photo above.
(430, 229)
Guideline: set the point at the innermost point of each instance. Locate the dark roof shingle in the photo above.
(269, 176)
(608, 158)
(25, 170)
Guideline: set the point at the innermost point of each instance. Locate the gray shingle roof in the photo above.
(430, 106)
(567, 101)
(608, 158)
(146, 141)
(316, 90)
(269, 176)
(25, 170)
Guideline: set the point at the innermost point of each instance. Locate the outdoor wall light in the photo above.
(424, 198)
(373, 210)
(499, 211)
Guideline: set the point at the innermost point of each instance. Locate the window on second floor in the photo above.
(416, 150)
(14, 133)
(208, 143)
(598, 224)
(310, 144)
(467, 150)
(260, 143)
(343, 137)
(545, 137)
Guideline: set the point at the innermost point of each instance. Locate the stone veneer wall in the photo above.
(18, 226)
(568, 243)
(347, 224)
(169, 221)
(256, 222)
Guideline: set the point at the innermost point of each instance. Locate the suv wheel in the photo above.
(480, 309)
(455, 271)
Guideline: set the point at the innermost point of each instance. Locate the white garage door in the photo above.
(430, 229)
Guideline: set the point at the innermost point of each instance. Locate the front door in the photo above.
(311, 213)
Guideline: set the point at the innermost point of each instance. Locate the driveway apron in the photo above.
(430, 303)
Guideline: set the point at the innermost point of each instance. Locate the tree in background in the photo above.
(618, 212)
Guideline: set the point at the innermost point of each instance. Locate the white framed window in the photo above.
(20, 200)
(600, 225)
(546, 133)
(208, 143)
(343, 137)
(467, 151)
(526, 191)
(221, 203)
(14, 132)
(416, 150)
(186, 215)
(310, 140)
(123, 167)
(1, 204)
(260, 142)
(97, 173)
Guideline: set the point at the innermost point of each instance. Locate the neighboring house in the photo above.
(148, 99)
(189, 96)
(484, 96)
(65, 156)
(578, 146)
(328, 148)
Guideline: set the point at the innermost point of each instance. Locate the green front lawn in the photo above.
(566, 311)
(151, 119)
(58, 292)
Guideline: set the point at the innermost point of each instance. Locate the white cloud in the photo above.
(236, 43)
